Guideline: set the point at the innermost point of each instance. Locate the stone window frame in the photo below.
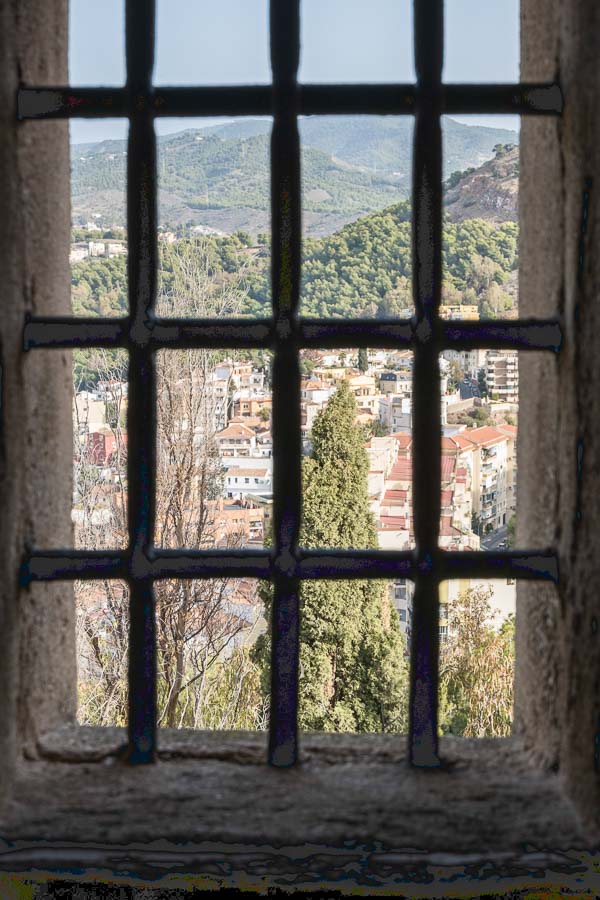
(55, 810)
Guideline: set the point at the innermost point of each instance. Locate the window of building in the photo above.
(425, 333)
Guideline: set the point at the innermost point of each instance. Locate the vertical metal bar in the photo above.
(286, 243)
(141, 421)
(427, 272)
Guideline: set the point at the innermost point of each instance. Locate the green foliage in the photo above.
(99, 286)
(363, 269)
(366, 267)
(502, 149)
(476, 669)
(363, 359)
(474, 418)
(85, 234)
(228, 695)
(481, 416)
(482, 383)
(512, 530)
(378, 429)
(456, 177)
(307, 366)
(92, 366)
(353, 673)
(456, 375)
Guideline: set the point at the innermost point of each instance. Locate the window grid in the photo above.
(142, 334)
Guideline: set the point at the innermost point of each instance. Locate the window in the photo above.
(426, 333)
(576, 727)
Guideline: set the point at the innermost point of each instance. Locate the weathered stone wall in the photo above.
(558, 677)
(37, 659)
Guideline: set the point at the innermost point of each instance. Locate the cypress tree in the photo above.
(353, 671)
(363, 359)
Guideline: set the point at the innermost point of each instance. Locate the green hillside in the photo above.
(364, 269)
(381, 143)
(219, 177)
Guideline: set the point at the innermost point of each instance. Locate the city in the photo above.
(215, 443)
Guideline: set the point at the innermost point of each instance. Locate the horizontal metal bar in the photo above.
(98, 102)
(526, 99)
(69, 565)
(235, 100)
(248, 563)
(73, 565)
(226, 333)
(68, 102)
(326, 334)
(71, 331)
(71, 102)
(530, 565)
(518, 334)
(357, 99)
(352, 564)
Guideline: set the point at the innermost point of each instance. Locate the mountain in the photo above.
(219, 176)
(381, 143)
(365, 267)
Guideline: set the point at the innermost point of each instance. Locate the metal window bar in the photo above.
(142, 334)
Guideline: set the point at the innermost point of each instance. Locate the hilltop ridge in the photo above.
(490, 191)
(218, 176)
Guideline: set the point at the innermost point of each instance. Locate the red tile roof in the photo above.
(402, 469)
(237, 431)
(462, 440)
(447, 468)
(403, 523)
(393, 494)
(486, 436)
(402, 439)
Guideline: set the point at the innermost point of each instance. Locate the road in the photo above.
(491, 541)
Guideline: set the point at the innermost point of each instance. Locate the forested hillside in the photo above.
(364, 269)
(219, 177)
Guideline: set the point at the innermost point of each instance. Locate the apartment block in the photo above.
(502, 375)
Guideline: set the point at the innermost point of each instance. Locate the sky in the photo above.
(202, 42)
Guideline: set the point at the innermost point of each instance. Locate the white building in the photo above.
(395, 411)
(241, 481)
(236, 440)
(470, 361)
(502, 375)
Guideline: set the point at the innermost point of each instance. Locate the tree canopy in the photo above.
(476, 668)
(353, 670)
(363, 269)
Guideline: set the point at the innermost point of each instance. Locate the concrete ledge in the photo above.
(353, 815)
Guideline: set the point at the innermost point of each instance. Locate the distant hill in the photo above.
(364, 268)
(489, 192)
(382, 143)
(219, 176)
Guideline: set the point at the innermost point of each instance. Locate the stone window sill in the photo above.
(352, 815)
